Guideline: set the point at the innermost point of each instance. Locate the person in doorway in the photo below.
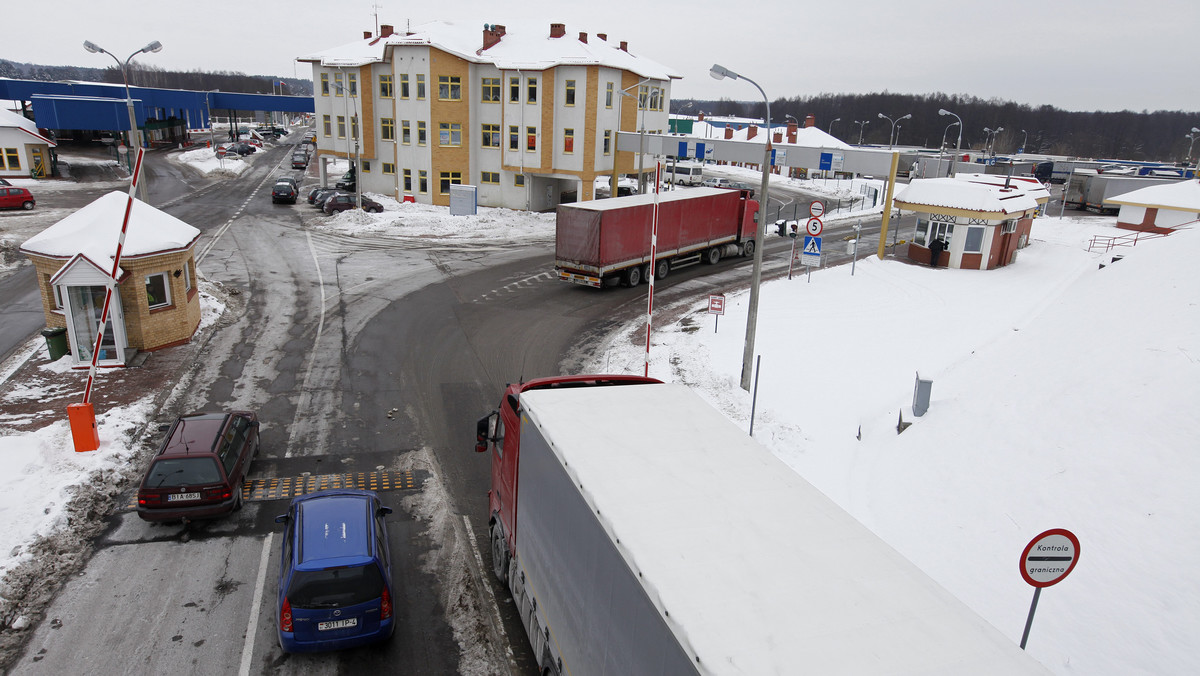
(936, 247)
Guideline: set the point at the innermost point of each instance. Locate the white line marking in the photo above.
(486, 586)
(312, 355)
(252, 624)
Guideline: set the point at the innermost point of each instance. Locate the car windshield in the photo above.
(335, 587)
(183, 472)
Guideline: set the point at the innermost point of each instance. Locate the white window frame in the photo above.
(166, 279)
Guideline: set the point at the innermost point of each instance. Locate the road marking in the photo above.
(284, 488)
(305, 397)
(256, 607)
(499, 622)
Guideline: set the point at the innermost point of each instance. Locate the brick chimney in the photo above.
(751, 131)
(728, 132)
(492, 35)
(602, 36)
(791, 131)
(778, 137)
(583, 37)
(385, 31)
(366, 35)
(624, 46)
(557, 30)
(810, 121)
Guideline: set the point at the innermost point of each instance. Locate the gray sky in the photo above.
(1072, 54)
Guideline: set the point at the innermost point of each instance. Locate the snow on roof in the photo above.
(515, 50)
(809, 137)
(648, 198)
(953, 193)
(759, 571)
(93, 231)
(11, 119)
(1181, 196)
(1030, 185)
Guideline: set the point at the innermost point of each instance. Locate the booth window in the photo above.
(158, 291)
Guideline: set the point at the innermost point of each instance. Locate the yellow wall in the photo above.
(448, 158)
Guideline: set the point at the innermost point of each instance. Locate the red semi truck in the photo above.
(641, 532)
(603, 242)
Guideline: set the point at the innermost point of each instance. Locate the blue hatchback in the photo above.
(335, 581)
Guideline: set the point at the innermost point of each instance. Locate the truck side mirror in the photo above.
(485, 431)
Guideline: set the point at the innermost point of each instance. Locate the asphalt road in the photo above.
(359, 354)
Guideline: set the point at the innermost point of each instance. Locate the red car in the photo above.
(199, 469)
(11, 198)
(342, 202)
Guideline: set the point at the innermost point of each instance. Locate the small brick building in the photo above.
(983, 222)
(158, 304)
(1161, 209)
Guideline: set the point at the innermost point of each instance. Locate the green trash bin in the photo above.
(56, 342)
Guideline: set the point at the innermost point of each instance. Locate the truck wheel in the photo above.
(499, 555)
(748, 248)
(633, 276)
(713, 255)
(662, 269)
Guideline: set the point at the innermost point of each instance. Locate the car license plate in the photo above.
(337, 624)
(177, 497)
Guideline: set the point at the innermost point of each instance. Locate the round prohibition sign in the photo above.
(816, 210)
(814, 226)
(1049, 557)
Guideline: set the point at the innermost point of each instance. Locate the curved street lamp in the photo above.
(836, 119)
(135, 134)
(958, 145)
(1024, 138)
(1191, 136)
(861, 124)
(893, 132)
(718, 73)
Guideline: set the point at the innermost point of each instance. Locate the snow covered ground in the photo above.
(1063, 396)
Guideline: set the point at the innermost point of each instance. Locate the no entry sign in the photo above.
(1049, 557)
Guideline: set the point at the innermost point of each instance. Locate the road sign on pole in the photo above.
(816, 209)
(1046, 560)
(716, 306)
(814, 226)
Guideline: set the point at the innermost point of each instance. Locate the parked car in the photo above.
(4, 182)
(335, 578)
(283, 191)
(713, 182)
(310, 137)
(318, 196)
(11, 198)
(254, 142)
(737, 185)
(347, 182)
(342, 202)
(198, 470)
(288, 179)
(299, 160)
(239, 148)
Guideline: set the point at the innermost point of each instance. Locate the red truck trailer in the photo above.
(603, 242)
(641, 532)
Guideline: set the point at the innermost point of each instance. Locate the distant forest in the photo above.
(144, 75)
(1155, 136)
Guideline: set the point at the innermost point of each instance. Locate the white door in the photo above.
(85, 304)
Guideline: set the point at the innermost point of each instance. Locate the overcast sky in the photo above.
(1072, 54)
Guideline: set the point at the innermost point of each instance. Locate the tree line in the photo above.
(1151, 136)
(147, 75)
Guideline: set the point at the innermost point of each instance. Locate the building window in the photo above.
(187, 276)
(447, 179)
(420, 87)
(327, 125)
(389, 169)
(158, 290)
(341, 126)
(324, 84)
(13, 158)
(405, 132)
(338, 89)
(449, 88)
(531, 138)
(490, 134)
(354, 127)
(385, 86)
(568, 141)
(607, 141)
(608, 96)
(974, 241)
(352, 81)
(366, 164)
(449, 134)
(490, 88)
(422, 181)
(489, 177)
(514, 137)
(643, 97)
(570, 98)
(408, 180)
(421, 135)
(404, 85)
(519, 180)
(656, 98)
(514, 90)
(531, 90)
(387, 128)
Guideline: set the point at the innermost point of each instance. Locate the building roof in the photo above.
(1029, 184)
(955, 193)
(808, 137)
(516, 50)
(11, 119)
(1180, 196)
(94, 230)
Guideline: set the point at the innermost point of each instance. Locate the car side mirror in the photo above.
(485, 431)
(282, 518)
(164, 427)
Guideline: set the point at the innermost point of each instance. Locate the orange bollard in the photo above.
(83, 427)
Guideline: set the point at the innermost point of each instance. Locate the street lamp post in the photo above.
(352, 122)
(893, 132)
(135, 134)
(942, 149)
(861, 124)
(624, 94)
(1191, 136)
(958, 145)
(719, 72)
(836, 119)
(1024, 138)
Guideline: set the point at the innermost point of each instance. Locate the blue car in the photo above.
(335, 580)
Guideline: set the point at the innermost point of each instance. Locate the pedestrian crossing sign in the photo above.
(812, 245)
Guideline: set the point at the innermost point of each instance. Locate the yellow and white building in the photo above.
(531, 120)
